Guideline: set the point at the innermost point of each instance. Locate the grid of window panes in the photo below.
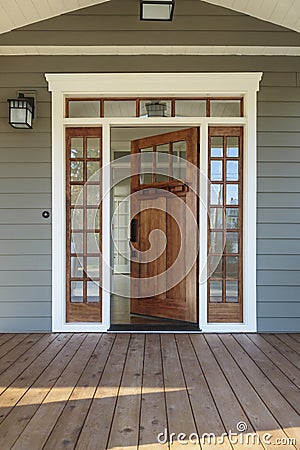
(162, 163)
(84, 218)
(225, 219)
(154, 107)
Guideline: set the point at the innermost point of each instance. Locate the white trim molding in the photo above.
(191, 50)
(152, 84)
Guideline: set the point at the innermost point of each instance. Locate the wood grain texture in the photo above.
(99, 391)
(170, 208)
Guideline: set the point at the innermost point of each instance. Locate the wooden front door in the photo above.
(84, 226)
(164, 234)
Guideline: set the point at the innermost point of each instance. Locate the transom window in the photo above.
(155, 107)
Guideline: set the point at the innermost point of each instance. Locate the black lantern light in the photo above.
(157, 9)
(21, 111)
(156, 109)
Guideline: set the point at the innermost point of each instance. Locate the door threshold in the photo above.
(155, 328)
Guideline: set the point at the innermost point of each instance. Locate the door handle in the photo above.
(133, 230)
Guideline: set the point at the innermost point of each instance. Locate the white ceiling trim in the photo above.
(280, 12)
(19, 13)
(149, 50)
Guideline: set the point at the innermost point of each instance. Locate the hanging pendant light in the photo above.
(156, 109)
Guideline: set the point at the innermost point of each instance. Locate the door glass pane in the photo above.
(76, 148)
(232, 218)
(215, 291)
(232, 267)
(232, 291)
(232, 194)
(93, 170)
(119, 108)
(93, 147)
(93, 195)
(76, 267)
(92, 218)
(146, 171)
(215, 270)
(232, 170)
(216, 147)
(216, 242)
(155, 108)
(77, 219)
(76, 291)
(162, 163)
(92, 292)
(232, 147)
(76, 195)
(77, 170)
(84, 108)
(216, 170)
(179, 160)
(225, 108)
(190, 108)
(232, 242)
(216, 217)
(76, 243)
(92, 243)
(92, 267)
(216, 194)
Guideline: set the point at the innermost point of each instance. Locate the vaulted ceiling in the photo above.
(18, 13)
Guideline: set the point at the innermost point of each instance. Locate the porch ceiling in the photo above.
(280, 12)
(19, 13)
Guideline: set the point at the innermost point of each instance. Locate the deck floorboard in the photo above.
(121, 391)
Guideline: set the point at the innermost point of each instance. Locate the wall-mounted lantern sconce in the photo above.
(156, 109)
(21, 111)
(157, 9)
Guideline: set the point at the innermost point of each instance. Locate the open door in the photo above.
(164, 232)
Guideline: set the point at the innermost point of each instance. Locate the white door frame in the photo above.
(152, 85)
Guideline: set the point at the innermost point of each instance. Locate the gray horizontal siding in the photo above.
(15, 294)
(25, 246)
(267, 246)
(117, 23)
(25, 192)
(278, 215)
(29, 309)
(280, 325)
(20, 324)
(288, 262)
(278, 229)
(278, 310)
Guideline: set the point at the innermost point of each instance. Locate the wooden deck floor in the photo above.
(119, 391)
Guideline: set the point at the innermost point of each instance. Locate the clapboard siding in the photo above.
(286, 262)
(20, 323)
(279, 215)
(25, 294)
(25, 192)
(28, 309)
(278, 310)
(117, 23)
(278, 245)
(267, 246)
(25, 247)
(281, 325)
(25, 156)
(284, 185)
